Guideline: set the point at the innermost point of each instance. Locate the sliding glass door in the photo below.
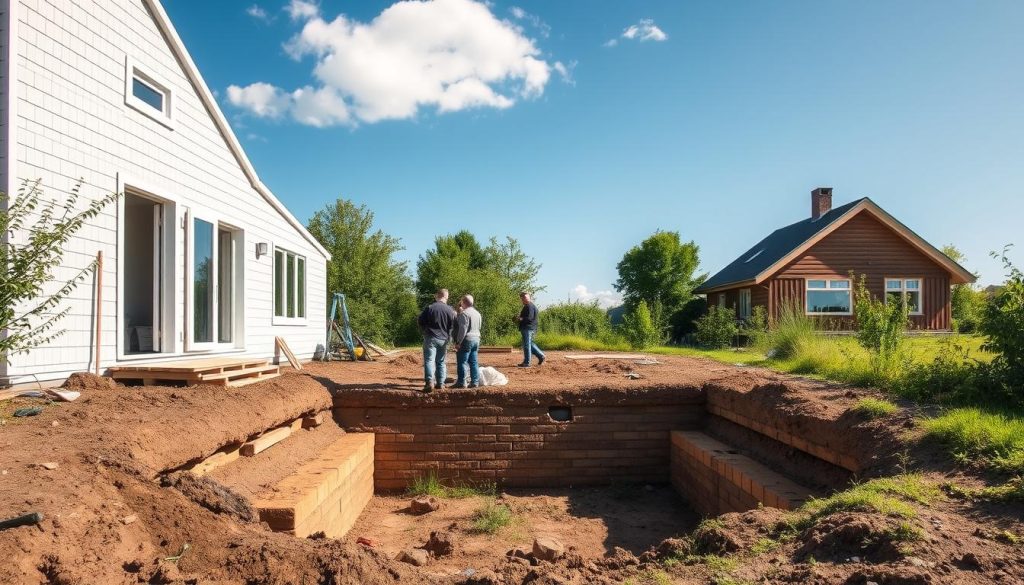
(212, 284)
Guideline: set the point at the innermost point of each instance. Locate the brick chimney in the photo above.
(821, 201)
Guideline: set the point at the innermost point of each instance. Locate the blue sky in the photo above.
(715, 119)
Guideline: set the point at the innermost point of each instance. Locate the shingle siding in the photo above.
(73, 123)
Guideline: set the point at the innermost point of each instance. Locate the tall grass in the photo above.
(974, 435)
(790, 333)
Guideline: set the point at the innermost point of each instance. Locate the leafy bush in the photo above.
(717, 328)
(639, 328)
(967, 302)
(582, 319)
(684, 321)
(756, 326)
(952, 377)
(28, 316)
(1003, 326)
(882, 330)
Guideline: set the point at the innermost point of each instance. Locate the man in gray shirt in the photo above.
(467, 343)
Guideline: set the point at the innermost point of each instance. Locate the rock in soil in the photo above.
(441, 543)
(424, 505)
(547, 549)
(414, 556)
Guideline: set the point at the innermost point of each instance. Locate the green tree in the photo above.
(1003, 326)
(639, 328)
(967, 302)
(33, 237)
(660, 272)
(377, 287)
(493, 274)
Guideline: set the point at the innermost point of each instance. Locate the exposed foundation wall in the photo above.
(621, 439)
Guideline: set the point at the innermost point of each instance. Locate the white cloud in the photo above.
(258, 13)
(449, 55)
(543, 28)
(643, 31)
(302, 9)
(605, 298)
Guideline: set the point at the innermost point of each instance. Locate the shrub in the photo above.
(882, 330)
(582, 319)
(952, 377)
(717, 328)
(1003, 327)
(684, 321)
(756, 326)
(639, 328)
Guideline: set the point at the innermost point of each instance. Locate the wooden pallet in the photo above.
(218, 371)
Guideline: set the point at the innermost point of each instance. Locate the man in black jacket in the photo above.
(436, 325)
(528, 328)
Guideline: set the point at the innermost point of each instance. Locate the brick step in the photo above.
(327, 493)
(716, 479)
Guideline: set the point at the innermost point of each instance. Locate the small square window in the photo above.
(148, 94)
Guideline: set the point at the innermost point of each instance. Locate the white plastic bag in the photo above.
(490, 376)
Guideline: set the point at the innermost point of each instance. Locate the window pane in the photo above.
(302, 287)
(914, 301)
(913, 284)
(828, 301)
(893, 284)
(225, 286)
(839, 284)
(202, 282)
(147, 94)
(815, 284)
(290, 278)
(278, 288)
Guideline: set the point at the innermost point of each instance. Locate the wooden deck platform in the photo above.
(220, 371)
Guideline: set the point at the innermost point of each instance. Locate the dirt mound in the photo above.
(851, 534)
(406, 359)
(84, 381)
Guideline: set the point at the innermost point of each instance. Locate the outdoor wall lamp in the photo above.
(261, 249)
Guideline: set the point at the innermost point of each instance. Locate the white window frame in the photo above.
(903, 290)
(828, 287)
(131, 72)
(721, 300)
(281, 280)
(237, 279)
(745, 308)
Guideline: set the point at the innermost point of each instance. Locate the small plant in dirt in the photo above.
(649, 577)
(872, 408)
(973, 435)
(1011, 491)
(492, 517)
(431, 485)
(717, 328)
(38, 234)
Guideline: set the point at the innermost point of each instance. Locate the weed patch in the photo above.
(973, 435)
(1011, 491)
(430, 485)
(872, 408)
(887, 495)
(491, 518)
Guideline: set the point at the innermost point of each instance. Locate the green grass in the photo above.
(1011, 491)
(891, 496)
(872, 408)
(430, 485)
(974, 435)
(491, 518)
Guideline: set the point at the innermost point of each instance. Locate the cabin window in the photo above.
(829, 296)
(289, 287)
(907, 290)
(721, 301)
(147, 94)
(744, 303)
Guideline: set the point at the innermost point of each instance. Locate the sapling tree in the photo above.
(35, 234)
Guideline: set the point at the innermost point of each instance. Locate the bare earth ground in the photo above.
(112, 516)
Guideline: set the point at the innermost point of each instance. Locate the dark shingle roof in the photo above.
(772, 249)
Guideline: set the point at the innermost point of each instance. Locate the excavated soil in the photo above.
(97, 469)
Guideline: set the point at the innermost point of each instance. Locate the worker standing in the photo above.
(435, 324)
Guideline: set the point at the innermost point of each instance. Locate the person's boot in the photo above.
(428, 388)
(540, 361)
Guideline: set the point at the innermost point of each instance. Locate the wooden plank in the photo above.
(218, 459)
(496, 349)
(191, 366)
(265, 441)
(247, 381)
(376, 348)
(287, 351)
(232, 374)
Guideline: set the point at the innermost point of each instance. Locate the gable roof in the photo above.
(785, 244)
(163, 22)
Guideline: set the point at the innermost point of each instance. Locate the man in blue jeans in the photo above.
(436, 325)
(467, 342)
(528, 328)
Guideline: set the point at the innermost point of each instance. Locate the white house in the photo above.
(200, 258)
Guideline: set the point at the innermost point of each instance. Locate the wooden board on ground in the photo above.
(496, 349)
(282, 345)
(222, 457)
(265, 441)
(218, 371)
(204, 366)
(606, 356)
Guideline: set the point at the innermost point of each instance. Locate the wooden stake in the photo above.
(99, 306)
